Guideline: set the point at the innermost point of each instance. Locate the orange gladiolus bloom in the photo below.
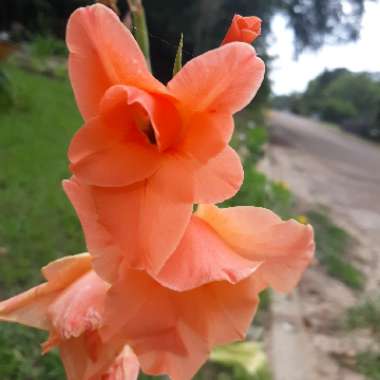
(70, 305)
(148, 151)
(244, 29)
(206, 292)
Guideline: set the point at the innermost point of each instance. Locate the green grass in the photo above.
(259, 191)
(37, 222)
(368, 363)
(365, 315)
(333, 244)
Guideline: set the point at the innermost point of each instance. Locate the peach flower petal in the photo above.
(203, 257)
(286, 248)
(140, 224)
(185, 326)
(98, 239)
(103, 53)
(221, 80)
(117, 163)
(147, 219)
(218, 179)
(207, 134)
(30, 307)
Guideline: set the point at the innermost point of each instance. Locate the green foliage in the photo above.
(20, 356)
(38, 223)
(332, 245)
(365, 315)
(44, 46)
(142, 376)
(336, 110)
(265, 300)
(255, 142)
(368, 363)
(245, 361)
(6, 91)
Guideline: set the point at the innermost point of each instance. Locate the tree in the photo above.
(204, 22)
(351, 100)
(319, 21)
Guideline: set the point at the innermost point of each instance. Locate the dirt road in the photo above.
(323, 165)
(327, 167)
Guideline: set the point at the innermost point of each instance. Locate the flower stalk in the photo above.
(140, 28)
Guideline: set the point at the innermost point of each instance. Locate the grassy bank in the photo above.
(37, 223)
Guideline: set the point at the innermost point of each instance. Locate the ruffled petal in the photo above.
(30, 307)
(186, 325)
(103, 53)
(98, 157)
(222, 80)
(203, 257)
(161, 111)
(285, 248)
(219, 178)
(79, 307)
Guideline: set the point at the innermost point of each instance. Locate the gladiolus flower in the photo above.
(244, 29)
(149, 152)
(70, 305)
(206, 292)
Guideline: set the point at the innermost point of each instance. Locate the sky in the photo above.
(289, 75)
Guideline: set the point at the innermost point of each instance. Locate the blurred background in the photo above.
(310, 146)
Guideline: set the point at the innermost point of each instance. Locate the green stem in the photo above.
(140, 28)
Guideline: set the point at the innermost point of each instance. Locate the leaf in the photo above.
(178, 58)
